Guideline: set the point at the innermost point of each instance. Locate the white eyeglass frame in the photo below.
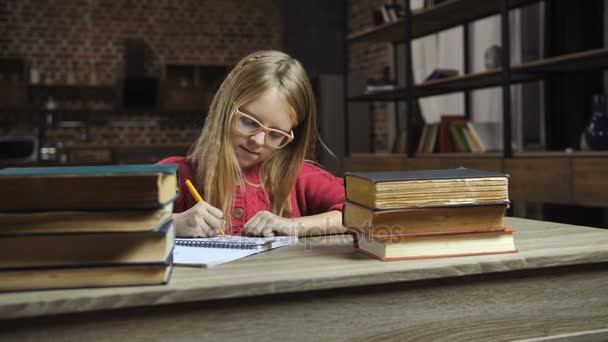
(262, 127)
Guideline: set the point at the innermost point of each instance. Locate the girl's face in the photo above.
(273, 112)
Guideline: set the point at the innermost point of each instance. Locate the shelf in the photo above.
(590, 59)
(440, 17)
(73, 89)
(128, 147)
(60, 111)
(576, 178)
(540, 154)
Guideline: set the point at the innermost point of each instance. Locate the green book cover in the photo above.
(105, 187)
(89, 170)
(459, 138)
(416, 175)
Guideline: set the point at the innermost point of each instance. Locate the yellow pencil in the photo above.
(197, 197)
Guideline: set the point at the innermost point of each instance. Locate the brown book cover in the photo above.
(86, 249)
(84, 221)
(426, 188)
(47, 278)
(143, 186)
(446, 140)
(423, 220)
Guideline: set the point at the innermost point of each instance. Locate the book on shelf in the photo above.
(395, 10)
(446, 136)
(48, 278)
(388, 13)
(432, 144)
(52, 222)
(472, 140)
(87, 249)
(386, 17)
(422, 140)
(441, 73)
(209, 252)
(428, 139)
(400, 141)
(87, 187)
(426, 188)
(432, 3)
(437, 220)
(489, 135)
(458, 131)
(458, 134)
(425, 246)
(379, 86)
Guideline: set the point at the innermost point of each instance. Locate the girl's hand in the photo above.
(202, 220)
(265, 223)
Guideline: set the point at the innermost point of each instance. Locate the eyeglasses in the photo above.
(247, 125)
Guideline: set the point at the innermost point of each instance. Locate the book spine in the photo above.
(458, 138)
(467, 136)
(475, 137)
(436, 256)
(423, 137)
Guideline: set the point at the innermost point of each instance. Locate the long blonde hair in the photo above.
(216, 165)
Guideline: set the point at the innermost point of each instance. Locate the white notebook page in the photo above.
(209, 256)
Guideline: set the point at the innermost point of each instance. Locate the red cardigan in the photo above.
(316, 191)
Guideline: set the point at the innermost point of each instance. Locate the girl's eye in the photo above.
(248, 122)
(275, 135)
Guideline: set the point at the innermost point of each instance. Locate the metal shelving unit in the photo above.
(447, 15)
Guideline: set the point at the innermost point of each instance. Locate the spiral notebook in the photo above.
(209, 252)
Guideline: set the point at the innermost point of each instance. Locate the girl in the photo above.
(248, 163)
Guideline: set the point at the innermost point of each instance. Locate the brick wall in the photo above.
(84, 37)
(369, 60)
(78, 36)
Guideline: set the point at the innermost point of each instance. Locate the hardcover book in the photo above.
(86, 249)
(87, 187)
(441, 73)
(54, 222)
(49, 278)
(474, 218)
(421, 246)
(446, 137)
(426, 188)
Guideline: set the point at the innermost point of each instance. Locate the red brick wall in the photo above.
(81, 35)
(369, 60)
(58, 37)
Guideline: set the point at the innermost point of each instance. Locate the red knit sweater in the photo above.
(316, 191)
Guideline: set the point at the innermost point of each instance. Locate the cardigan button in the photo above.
(237, 213)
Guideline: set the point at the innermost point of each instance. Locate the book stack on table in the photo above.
(86, 226)
(428, 214)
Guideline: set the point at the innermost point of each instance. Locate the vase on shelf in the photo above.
(596, 132)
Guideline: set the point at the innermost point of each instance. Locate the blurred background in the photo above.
(88, 82)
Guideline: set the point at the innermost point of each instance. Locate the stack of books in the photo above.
(86, 226)
(428, 214)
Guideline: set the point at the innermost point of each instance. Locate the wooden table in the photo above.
(556, 287)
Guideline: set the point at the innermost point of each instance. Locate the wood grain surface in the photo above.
(539, 179)
(320, 264)
(590, 181)
(554, 289)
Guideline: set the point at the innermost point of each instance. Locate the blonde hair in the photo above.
(216, 165)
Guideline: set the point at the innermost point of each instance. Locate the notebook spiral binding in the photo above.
(216, 244)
